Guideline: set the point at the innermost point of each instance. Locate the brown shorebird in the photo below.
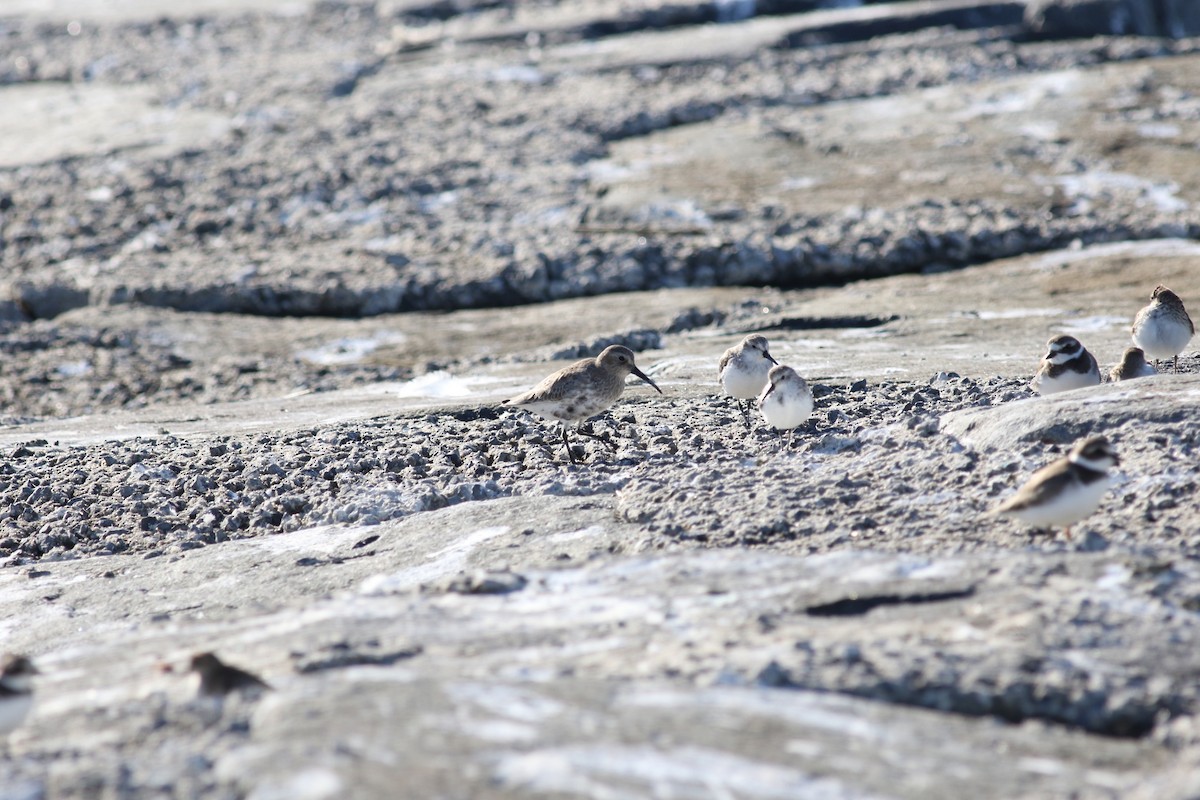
(1064, 491)
(1163, 328)
(218, 679)
(1133, 365)
(581, 391)
(1066, 365)
(743, 371)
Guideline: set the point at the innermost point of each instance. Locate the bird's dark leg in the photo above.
(746, 412)
(1176, 363)
(567, 444)
(606, 439)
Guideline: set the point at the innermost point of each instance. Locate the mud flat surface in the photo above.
(270, 268)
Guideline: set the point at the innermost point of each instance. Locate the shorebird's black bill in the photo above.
(646, 378)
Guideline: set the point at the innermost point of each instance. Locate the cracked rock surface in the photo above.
(270, 274)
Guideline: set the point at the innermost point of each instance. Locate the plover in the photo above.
(787, 401)
(579, 392)
(218, 679)
(1163, 328)
(1133, 365)
(1065, 491)
(1066, 365)
(16, 691)
(743, 370)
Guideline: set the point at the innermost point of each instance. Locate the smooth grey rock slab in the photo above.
(600, 673)
(1169, 399)
(62, 121)
(578, 738)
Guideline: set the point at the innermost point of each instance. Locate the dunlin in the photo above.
(787, 401)
(579, 392)
(1065, 491)
(1133, 365)
(1163, 328)
(16, 691)
(218, 679)
(1067, 365)
(743, 370)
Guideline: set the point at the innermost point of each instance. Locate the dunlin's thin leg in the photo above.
(567, 444)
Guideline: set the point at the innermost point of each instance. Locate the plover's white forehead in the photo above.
(1063, 349)
(1094, 453)
(1099, 464)
(1062, 344)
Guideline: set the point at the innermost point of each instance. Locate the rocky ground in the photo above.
(271, 267)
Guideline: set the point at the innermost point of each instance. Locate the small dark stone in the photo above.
(773, 675)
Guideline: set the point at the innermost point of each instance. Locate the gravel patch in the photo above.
(870, 471)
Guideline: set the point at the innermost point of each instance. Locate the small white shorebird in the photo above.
(1066, 365)
(576, 393)
(743, 370)
(787, 401)
(16, 691)
(1066, 490)
(1133, 365)
(1163, 328)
